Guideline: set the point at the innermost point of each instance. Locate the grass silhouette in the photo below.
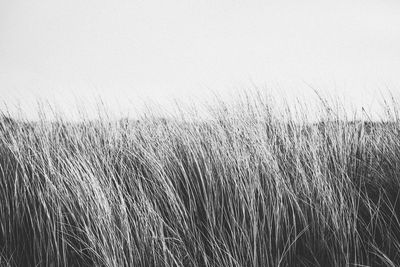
(249, 187)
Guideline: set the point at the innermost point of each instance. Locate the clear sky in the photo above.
(125, 51)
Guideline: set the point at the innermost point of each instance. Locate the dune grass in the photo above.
(249, 187)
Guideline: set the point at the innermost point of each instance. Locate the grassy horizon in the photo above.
(255, 185)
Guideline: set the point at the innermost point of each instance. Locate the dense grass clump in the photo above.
(245, 188)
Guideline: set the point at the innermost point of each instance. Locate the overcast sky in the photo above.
(122, 51)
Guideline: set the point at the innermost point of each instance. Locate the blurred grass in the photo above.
(249, 187)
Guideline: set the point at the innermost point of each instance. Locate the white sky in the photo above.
(123, 51)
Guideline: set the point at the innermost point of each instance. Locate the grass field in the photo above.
(248, 187)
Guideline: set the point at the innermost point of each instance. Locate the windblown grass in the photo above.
(247, 188)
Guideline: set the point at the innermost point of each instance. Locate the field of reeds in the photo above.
(248, 186)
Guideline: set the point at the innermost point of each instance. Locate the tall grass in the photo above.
(249, 187)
